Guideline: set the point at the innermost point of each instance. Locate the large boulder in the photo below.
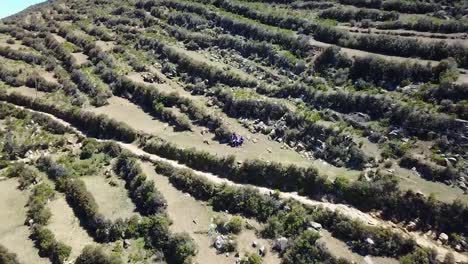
(281, 244)
(443, 237)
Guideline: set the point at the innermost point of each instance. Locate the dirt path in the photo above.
(347, 210)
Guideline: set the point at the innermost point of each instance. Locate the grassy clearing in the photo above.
(113, 201)
(66, 226)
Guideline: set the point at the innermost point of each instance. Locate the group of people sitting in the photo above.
(236, 140)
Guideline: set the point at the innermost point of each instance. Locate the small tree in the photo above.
(234, 225)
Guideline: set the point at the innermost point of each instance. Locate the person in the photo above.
(236, 140)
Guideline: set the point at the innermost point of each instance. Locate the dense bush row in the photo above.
(48, 246)
(10, 76)
(427, 25)
(289, 218)
(451, 97)
(37, 210)
(416, 122)
(38, 82)
(95, 125)
(27, 57)
(305, 249)
(246, 48)
(390, 45)
(428, 170)
(348, 14)
(15, 78)
(142, 191)
(49, 124)
(6, 257)
(402, 6)
(97, 94)
(296, 45)
(96, 255)
(187, 64)
(273, 175)
(59, 51)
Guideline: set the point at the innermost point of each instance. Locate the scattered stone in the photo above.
(219, 242)
(206, 141)
(411, 226)
(370, 241)
(315, 225)
(281, 244)
(300, 147)
(262, 251)
(462, 185)
(443, 237)
(254, 244)
(419, 193)
(113, 183)
(269, 150)
(126, 243)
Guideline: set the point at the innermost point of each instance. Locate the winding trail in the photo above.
(351, 212)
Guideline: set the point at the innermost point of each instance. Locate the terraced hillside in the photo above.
(118, 121)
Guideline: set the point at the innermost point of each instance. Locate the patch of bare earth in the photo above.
(66, 226)
(113, 201)
(80, 58)
(105, 45)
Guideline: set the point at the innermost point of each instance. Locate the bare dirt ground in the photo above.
(58, 38)
(16, 46)
(105, 45)
(14, 235)
(113, 201)
(66, 226)
(80, 58)
(196, 221)
(31, 92)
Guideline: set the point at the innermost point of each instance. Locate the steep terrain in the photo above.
(118, 121)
